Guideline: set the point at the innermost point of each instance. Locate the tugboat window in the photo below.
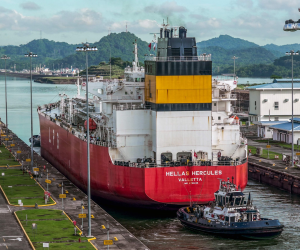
(226, 218)
(237, 201)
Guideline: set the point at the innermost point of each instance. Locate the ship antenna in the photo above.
(109, 55)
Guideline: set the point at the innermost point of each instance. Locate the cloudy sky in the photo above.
(259, 21)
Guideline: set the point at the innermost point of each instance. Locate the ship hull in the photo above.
(152, 188)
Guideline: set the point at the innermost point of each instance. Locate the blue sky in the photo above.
(259, 21)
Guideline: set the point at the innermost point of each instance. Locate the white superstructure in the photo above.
(169, 113)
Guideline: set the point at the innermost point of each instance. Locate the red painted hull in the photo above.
(158, 188)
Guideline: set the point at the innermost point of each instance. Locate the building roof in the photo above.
(276, 85)
(269, 122)
(286, 80)
(296, 119)
(288, 125)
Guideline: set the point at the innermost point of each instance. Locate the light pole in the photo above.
(234, 57)
(30, 55)
(86, 48)
(5, 58)
(292, 53)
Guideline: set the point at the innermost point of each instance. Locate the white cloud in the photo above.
(30, 6)
(166, 9)
(63, 21)
(142, 26)
(148, 24)
(247, 4)
(278, 4)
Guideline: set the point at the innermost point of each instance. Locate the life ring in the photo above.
(221, 217)
(219, 154)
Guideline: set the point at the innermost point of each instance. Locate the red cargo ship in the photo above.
(155, 144)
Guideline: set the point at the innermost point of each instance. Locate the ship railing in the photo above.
(179, 58)
(104, 144)
(129, 107)
(116, 98)
(130, 69)
(227, 96)
(177, 163)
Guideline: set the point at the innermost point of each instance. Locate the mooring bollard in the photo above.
(75, 228)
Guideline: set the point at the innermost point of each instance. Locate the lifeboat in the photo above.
(92, 124)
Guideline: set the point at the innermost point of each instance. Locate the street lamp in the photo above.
(86, 48)
(5, 58)
(234, 57)
(30, 55)
(292, 53)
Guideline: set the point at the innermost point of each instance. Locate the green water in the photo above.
(162, 232)
(18, 102)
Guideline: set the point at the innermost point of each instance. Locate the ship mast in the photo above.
(78, 86)
(136, 59)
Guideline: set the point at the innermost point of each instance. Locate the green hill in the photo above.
(253, 59)
(46, 50)
(282, 48)
(226, 42)
(114, 45)
(222, 58)
(57, 54)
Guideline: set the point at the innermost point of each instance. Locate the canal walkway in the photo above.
(273, 148)
(274, 172)
(11, 235)
(71, 205)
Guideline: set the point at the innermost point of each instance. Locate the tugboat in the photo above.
(36, 140)
(230, 215)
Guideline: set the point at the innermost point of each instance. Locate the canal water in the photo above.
(156, 230)
(161, 231)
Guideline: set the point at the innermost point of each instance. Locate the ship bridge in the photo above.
(178, 90)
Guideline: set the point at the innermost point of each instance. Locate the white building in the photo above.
(271, 103)
(283, 132)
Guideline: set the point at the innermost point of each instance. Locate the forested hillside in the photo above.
(222, 58)
(226, 42)
(252, 59)
(57, 55)
(115, 45)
